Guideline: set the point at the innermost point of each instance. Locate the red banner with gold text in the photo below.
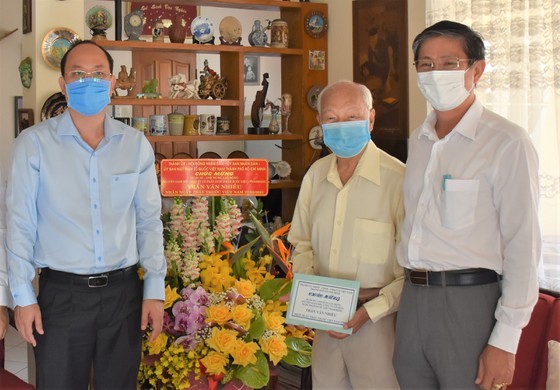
(214, 177)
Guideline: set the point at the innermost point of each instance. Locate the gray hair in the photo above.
(366, 93)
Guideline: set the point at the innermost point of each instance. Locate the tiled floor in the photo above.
(16, 354)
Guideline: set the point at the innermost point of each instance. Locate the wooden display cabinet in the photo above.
(165, 59)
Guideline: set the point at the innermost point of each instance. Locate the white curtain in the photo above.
(522, 83)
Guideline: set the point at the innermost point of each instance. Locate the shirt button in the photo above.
(334, 251)
(97, 231)
(338, 223)
(116, 179)
(94, 180)
(99, 258)
(95, 206)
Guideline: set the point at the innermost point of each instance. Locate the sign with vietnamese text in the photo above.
(214, 177)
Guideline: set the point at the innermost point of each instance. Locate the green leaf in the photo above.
(239, 266)
(254, 375)
(258, 326)
(299, 352)
(261, 230)
(275, 288)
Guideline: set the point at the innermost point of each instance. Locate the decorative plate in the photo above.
(316, 137)
(210, 155)
(230, 29)
(26, 72)
(182, 155)
(313, 95)
(283, 169)
(56, 43)
(238, 154)
(53, 106)
(202, 29)
(316, 24)
(99, 17)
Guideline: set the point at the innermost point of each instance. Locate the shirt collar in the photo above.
(368, 167)
(467, 126)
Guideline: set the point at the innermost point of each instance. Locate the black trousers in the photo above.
(88, 327)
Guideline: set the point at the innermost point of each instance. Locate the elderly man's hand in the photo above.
(360, 317)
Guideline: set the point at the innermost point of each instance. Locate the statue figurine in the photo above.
(258, 107)
(273, 126)
(211, 84)
(126, 81)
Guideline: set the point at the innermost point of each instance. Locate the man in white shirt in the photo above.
(346, 223)
(470, 242)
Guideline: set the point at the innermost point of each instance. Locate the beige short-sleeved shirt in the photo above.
(350, 231)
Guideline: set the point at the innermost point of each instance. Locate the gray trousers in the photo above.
(441, 332)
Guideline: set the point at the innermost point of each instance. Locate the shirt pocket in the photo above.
(372, 240)
(123, 188)
(459, 203)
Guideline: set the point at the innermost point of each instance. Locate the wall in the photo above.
(63, 13)
(10, 85)
(340, 37)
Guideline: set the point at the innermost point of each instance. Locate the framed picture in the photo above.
(18, 103)
(24, 119)
(167, 13)
(251, 70)
(26, 24)
(380, 61)
(316, 60)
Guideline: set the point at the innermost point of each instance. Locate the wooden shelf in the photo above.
(160, 60)
(281, 184)
(225, 138)
(124, 101)
(187, 47)
(241, 4)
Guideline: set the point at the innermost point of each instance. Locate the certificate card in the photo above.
(322, 303)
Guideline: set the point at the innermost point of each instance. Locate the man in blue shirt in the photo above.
(84, 208)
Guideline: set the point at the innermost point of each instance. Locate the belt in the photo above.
(463, 277)
(92, 281)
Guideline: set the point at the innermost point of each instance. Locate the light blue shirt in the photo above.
(79, 210)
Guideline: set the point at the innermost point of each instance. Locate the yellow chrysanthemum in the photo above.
(275, 306)
(242, 315)
(171, 296)
(158, 345)
(244, 353)
(216, 273)
(299, 332)
(218, 313)
(275, 347)
(274, 321)
(222, 340)
(215, 363)
(245, 287)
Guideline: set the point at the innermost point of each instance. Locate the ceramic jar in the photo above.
(279, 33)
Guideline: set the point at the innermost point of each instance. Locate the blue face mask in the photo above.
(346, 139)
(88, 96)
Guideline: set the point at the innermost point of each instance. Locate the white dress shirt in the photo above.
(350, 231)
(471, 201)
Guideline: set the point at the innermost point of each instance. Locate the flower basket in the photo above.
(224, 322)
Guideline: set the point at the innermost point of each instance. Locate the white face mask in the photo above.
(444, 89)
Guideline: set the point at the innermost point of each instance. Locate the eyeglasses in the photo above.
(80, 75)
(443, 63)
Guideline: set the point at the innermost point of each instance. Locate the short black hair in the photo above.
(473, 44)
(84, 42)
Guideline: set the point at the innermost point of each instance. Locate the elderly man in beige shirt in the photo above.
(346, 224)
